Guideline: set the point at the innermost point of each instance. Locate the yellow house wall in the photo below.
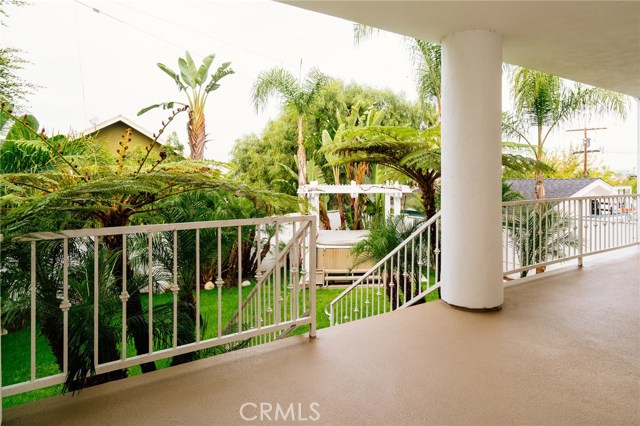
(110, 136)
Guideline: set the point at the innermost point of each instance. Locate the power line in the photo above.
(195, 31)
(101, 12)
(122, 21)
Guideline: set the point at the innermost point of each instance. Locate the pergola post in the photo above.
(387, 206)
(471, 170)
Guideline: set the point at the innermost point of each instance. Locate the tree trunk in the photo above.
(343, 218)
(197, 135)
(302, 156)
(539, 178)
(539, 185)
(324, 217)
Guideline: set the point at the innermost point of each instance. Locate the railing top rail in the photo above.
(417, 232)
(141, 229)
(559, 200)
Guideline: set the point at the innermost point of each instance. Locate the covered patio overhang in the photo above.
(597, 43)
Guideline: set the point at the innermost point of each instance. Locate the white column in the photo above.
(471, 170)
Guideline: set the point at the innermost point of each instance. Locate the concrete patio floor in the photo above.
(565, 350)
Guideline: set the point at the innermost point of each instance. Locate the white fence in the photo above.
(103, 284)
(540, 233)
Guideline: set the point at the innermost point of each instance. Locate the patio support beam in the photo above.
(471, 170)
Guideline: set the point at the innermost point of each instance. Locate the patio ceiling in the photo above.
(597, 42)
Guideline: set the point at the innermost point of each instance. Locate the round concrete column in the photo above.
(471, 170)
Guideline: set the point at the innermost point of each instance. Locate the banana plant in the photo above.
(192, 81)
(355, 171)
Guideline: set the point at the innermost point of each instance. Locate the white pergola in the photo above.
(391, 191)
(593, 42)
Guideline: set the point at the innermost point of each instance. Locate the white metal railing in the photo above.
(154, 257)
(536, 234)
(403, 277)
(290, 269)
(539, 233)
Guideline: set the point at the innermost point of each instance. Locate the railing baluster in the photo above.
(96, 271)
(240, 310)
(437, 251)
(219, 282)
(174, 289)
(197, 285)
(65, 306)
(276, 286)
(124, 297)
(33, 311)
(259, 307)
(150, 289)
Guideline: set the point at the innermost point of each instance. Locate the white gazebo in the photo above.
(393, 193)
(333, 247)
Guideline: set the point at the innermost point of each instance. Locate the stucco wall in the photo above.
(110, 136)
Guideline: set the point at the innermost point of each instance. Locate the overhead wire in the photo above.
(115, 18)
(196, 31)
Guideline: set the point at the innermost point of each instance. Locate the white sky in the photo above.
(93, 67)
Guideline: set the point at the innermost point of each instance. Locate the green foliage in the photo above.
(13, 88)
(384, 236)
(297, 95)
(278, 140)
(509, 194)
(540, 234)
(277, 144)
(70, 187)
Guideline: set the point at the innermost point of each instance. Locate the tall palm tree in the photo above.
(295, 95)
(544, 101)
(192, 81)
(427, 62)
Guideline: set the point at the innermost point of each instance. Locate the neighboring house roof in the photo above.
(125, 120)
(559, 188)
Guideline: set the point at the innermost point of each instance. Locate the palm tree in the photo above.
(193, 81)
(295, 95)
(539, 234)
(544, 101)
(427, 62)
(383, 237)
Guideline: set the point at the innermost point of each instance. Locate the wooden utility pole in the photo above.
(585, 142)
